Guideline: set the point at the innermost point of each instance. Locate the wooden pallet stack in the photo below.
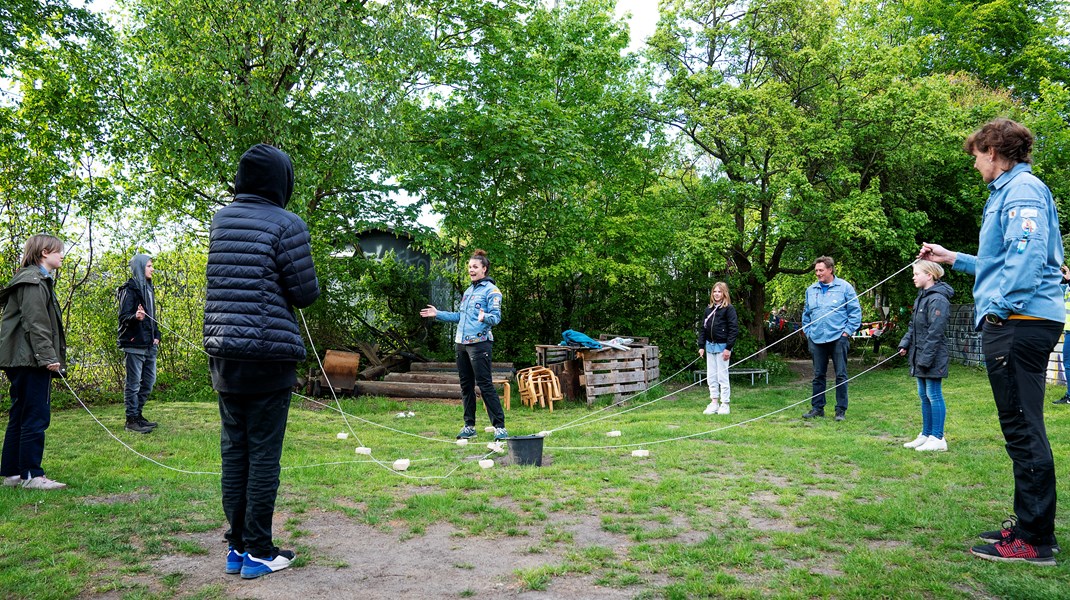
(616, 373)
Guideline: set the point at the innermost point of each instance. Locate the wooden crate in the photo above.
(619, 372)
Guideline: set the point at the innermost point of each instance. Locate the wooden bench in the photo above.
(697, 376)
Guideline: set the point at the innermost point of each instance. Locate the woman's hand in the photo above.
(902, 352)
(727, 354)
(430, 311)
(54, 367)
(701, 352)
(481, 315)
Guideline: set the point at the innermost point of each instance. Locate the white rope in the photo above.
(583, 420)
(701, 433)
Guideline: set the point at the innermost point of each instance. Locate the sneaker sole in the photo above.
(1044, 562)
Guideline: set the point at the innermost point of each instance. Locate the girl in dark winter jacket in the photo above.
(925, 347)
(33, 350)
(716, 337)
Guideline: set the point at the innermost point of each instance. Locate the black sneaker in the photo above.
(147, 422)
(841, 415)
(814, 412)
(1007, 533)
(133, 424)
(1064, 400)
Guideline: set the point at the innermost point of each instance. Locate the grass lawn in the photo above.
(775, 508)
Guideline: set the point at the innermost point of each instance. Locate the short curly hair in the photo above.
(1010, 139)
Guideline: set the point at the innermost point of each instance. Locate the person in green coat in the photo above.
(32, 351)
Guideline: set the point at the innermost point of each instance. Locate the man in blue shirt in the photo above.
(831, 315)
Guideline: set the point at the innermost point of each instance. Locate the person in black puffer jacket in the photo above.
(259, 269)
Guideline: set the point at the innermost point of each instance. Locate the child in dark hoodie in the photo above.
(139, 337)
(925, 347)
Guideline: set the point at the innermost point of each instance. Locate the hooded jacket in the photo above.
(924, 341)
(259, 266)
(137, 291)
(31, 330)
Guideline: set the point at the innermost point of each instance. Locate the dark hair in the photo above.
(481, 255)
(37, 245)
(827, 261)
(1011, 140)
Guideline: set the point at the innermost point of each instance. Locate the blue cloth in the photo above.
(481, 295)
(1019, 251)
(574, 337)
(933, 409)
(840, 302)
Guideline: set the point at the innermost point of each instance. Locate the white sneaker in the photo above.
(921, 439)
(13, 481)
(933, 444)
(711, 409)
(723, 409)
(43, 483)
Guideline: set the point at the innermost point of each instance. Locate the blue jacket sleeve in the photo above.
(854, 310)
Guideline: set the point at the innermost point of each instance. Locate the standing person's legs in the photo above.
(711, 374)
(1016, 355)
(938, 410)
(839, 350)
(1066, 369)
(820, 353)
(266, 428)
(134, 366)
(9, 459)
(234, 451)
(926, 408)
(148, 378)
(482, 367)
(467, 377)
(721, 372)
(33, 385)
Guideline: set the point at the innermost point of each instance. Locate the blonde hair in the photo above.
(931, 268)
(727, 300)
(36, 246)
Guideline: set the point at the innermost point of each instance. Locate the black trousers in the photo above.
(1016, 356)
(251, 447)
(474, 368)
(30, 415)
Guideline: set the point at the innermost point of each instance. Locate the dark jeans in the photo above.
(1016, 356)
(474, 368)
(837, 351)
(251, 447)
(140, 377)
(31, 413)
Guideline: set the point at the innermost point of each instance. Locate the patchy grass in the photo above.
(775, 508)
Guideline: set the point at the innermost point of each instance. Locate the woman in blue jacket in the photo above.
(925, 347)
(481, 309)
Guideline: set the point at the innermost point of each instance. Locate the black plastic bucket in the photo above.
(525, 449)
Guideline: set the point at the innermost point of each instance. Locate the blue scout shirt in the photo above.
(1019, 251)
(839, 301)
(484, 295)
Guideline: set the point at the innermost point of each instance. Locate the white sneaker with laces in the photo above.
(43, 483)
(712, 408)
(12, 481)
(723, 409)
(921, 439)
(933, 444)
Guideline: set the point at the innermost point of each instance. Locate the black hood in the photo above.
(939, 288)
(265, 172)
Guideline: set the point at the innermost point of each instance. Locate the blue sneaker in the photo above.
(500, 433)
(254, 567)
(467, 432)
(235, 560)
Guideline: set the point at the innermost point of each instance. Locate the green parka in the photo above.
(31, 331)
